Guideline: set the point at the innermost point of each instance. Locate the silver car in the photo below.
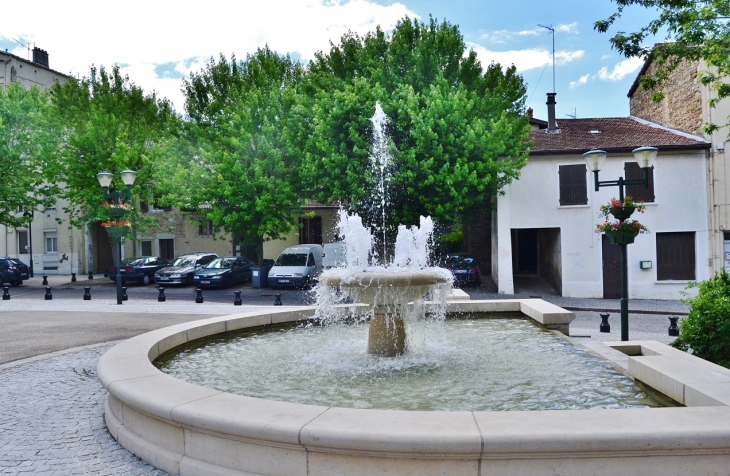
(183, 268)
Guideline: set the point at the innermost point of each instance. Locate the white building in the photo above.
(544, 223)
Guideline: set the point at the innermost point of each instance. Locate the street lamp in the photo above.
(116, 211)
(645, 157)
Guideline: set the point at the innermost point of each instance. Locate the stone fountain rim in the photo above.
(385, 277)
(181, 427)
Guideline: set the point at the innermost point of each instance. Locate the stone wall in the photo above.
(681, 107)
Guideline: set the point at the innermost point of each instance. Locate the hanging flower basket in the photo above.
(116, 212)
(116, 228)
(116, 209)
(622, 213)
(621, 237)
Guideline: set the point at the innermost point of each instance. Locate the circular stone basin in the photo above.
(184, 428)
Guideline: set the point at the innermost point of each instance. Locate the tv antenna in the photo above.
(552, 30)
(24, 45)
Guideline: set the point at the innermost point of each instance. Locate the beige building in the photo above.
(686, 107)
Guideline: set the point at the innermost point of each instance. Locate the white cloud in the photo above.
(621, 70)
(504, 36)
(525, 59)
(581, 81)
(186, 33)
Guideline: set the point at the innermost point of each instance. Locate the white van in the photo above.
(334, 255)
(297, 266)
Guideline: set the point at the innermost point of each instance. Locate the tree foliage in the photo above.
(110, 124)
(457, 133)
(28, 140)
(245, 170)
(695, 29)
(706, 330)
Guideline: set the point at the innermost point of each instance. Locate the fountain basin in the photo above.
(186, 429)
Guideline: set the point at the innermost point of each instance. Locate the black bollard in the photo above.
(91, 275)
(124, 294)
(277, 301)
(106, 273)
(87, 293)
(199, 297)
(237, 299)
(45, 281)
(161, 297)
(673, 329)
(6, 293)
(49, 296)
(605, 326)
(73, 277)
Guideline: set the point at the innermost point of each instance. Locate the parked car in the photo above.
(13, 271)
(141, 269)
(464, 269)
(182, 270)
(224, 272)
(297, 266)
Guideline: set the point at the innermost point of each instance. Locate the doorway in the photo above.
(537, 261)
(611, 269)
(103, 256)
(167, 248)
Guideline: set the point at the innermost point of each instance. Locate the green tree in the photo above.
(705, 332)
(245, 169)
(110, 124)
(28, 140)
(457, 132)
(695, 30)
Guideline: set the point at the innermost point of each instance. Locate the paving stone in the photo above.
(52, 420)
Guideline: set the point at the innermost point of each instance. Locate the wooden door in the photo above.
(103, 256)
(611, 269)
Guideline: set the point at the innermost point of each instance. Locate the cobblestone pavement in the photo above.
(52, 420)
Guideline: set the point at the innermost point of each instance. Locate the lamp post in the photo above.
(116, 212)
(645, 157)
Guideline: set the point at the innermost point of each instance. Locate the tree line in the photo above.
(262, 136)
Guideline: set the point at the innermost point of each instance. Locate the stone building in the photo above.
(686, 107)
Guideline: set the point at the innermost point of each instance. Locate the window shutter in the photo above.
(675, 256)
(632, 171)
(573, 186)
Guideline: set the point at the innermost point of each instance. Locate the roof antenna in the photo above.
(23, 44)
(552, 30)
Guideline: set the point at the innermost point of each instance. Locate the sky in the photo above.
(157, 43)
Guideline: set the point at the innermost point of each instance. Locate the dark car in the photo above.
(13, 271)
(224, 272)
(464, 268)
(183, 268)
(141, 269)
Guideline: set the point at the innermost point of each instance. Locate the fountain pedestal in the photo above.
(387, 334)
(388, 292)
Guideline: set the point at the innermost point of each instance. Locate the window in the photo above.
(310, 231)
(632, 171)
(51, 242)
(573, 185)
(675, 256)
(205, 228)
(23, 248)
(147, 248)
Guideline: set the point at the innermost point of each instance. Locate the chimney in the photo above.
(529, 112)
(40, 56)
(552, 125)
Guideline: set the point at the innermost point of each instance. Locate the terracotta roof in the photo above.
(617, 134)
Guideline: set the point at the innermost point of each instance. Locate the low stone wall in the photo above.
(186, 429)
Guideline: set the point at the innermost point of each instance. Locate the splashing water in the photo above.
(380, 160)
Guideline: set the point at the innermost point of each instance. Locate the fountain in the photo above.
(388, 290)
(184, 428)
